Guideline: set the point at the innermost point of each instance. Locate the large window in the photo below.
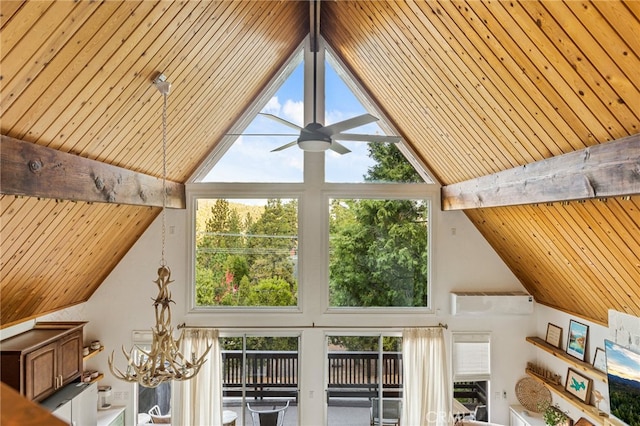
(378, 253)
(355, 225)
(246, 252)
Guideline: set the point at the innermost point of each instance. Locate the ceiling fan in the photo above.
(315, 137)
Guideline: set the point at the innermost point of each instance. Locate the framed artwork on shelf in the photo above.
(578, 385)
(599, 360)
(577, 341)
(554, 335)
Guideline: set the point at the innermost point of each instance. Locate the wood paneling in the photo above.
(480, 87)
(77, 77)
(476, 87)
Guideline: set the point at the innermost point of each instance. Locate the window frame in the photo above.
(380, 191)
(309, 198)
(199, 191)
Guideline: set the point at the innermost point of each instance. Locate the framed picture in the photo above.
(583, 422)
(577, 344)
(554, 335)
(578, 385)
(599, 360)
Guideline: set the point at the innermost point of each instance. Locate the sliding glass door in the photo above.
(364, 379)
(260, 375)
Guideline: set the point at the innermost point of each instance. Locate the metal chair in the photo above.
(274, 417)
(391, 411)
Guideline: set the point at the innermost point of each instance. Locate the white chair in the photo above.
(158, 417)
(391, 411)
(274, 417)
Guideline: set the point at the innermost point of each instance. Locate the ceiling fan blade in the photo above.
(289, 145)
(339, 148)
(281, 121)
(350, 123)
(262, 134)
(366, 138)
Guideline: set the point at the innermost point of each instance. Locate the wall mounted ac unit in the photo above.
(491, 303)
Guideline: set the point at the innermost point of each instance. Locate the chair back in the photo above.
(391, 411)
(274, 417)
(480, 414)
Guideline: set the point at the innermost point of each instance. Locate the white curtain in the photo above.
(427, 388)
(202, 395)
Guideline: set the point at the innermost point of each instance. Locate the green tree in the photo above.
(218, 271)
(275, 236)
(379, 247)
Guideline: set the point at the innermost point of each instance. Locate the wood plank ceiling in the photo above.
(475, 87)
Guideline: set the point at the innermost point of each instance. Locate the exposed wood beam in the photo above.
(38, 171)
(607, 170)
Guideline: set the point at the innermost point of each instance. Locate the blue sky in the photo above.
(622, 362)
(249, 159)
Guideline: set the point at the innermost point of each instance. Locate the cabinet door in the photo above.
(70, 357)
(515, 420)
(41, 372)
(64, 412)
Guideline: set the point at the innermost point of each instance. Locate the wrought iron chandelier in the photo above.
(164, 361)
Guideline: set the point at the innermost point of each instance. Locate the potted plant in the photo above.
(553, 416)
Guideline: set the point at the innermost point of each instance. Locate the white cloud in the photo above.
(273, 106)
(293, 111)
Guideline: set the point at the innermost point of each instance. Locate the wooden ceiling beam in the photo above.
(29, 169)
(606, 170)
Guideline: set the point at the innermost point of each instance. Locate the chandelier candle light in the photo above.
(164, 361)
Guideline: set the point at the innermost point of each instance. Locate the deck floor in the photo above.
(342, 413)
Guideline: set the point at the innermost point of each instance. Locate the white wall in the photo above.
(463, 262)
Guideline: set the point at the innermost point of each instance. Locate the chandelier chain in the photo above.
(163, 261)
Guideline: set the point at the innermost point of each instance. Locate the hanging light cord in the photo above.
(164, 176)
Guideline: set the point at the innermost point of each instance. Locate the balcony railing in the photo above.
(352, 374)
(275, 374)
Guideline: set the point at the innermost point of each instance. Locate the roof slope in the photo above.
(474, 87)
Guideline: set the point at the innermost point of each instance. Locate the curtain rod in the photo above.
(313, 325)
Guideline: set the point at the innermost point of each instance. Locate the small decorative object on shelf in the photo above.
(600, 360)
(577, 342)
(543, 373)
(554, 335)
(578, 385)
(597, 398)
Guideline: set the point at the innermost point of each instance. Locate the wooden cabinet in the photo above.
(39, 361)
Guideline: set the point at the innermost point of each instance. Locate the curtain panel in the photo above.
(427, 388)
(202, 395)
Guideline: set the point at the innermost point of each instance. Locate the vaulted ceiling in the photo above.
(474, 87)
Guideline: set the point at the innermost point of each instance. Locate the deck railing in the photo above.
(351, 374)
(275, 373)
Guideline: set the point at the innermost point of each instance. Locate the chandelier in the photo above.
(163, 361)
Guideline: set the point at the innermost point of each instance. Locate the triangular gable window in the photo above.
(248, 156)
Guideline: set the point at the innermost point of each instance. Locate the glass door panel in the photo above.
(260, 373)
(355, 390)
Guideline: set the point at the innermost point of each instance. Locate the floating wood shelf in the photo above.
(576, 363)
(100, 377)
(92, 353)
(589, 410)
